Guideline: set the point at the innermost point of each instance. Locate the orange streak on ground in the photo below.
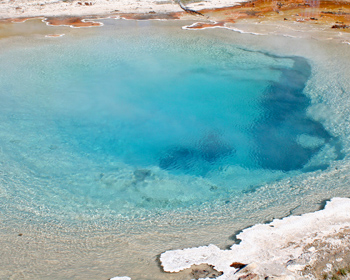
(71, 21)
(19, 20)
(334, 14)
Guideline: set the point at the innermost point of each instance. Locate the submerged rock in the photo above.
(178, 158)
(142, 174)
(212, 147)
(198, 158)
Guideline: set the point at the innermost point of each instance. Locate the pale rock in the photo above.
(328, 268)
(281, 277)
(296, 267)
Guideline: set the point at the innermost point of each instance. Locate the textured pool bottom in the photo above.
(100, 243)
(95, 250)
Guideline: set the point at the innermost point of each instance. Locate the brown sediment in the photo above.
(72, 21)
(340, 26)
(151, 15)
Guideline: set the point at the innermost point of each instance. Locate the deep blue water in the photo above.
(153, 120)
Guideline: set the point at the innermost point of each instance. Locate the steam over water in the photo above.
(147, 118)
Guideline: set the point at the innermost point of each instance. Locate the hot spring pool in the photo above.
(147, 120)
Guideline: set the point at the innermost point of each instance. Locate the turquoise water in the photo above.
(149, 120)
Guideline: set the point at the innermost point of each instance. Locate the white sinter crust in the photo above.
(282, 248)
(52, 8)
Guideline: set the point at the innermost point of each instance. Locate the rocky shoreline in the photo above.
(310, 246)
(314, 19)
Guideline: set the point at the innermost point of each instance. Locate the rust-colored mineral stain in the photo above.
(20, 19)
(331, 14)
(17, 20)
(71, 21)
(238, 265)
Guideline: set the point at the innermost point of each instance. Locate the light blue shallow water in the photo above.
(149, 120)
